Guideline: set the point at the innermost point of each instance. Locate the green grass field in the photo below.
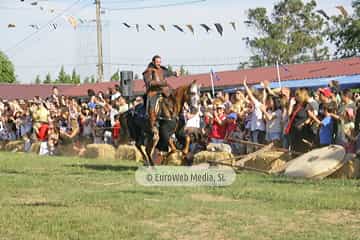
(72, 198)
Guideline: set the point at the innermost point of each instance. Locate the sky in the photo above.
(45, 50)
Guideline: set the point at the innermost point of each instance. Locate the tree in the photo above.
(47, 79)
(92, 79)
(37, 79)
(116, 76)
(75, 78)
(7, 72)
(68, 79)
(344, 32)
(86, 80)
(243, 65)
(183, 71)
(294, 33)
(170, 68)
(62, 77)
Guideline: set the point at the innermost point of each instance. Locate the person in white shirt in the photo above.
(256, 122)
(273, 116)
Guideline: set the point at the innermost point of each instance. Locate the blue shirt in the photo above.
(326, 131)
(91, 105)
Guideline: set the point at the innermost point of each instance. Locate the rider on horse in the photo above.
(156, 86)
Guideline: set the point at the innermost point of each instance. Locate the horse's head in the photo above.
(189, 94)
(192, 95)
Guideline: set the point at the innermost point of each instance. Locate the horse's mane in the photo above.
(179, 96)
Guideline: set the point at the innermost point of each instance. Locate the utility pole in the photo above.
(100, 65)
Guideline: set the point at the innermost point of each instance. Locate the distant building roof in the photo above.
(29, 91)
(306, 72)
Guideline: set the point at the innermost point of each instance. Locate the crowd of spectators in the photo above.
(298, 120)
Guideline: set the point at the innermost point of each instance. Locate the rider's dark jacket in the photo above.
(155, 78)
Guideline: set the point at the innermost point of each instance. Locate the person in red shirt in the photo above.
(116, 131)
(218, 130)
(43, 132)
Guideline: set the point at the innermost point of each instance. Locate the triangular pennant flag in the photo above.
(233, 25)
(33, 3)
(219, 28)
(52, 26)
(178, 28)
(163, 27)
(81, 20)
(190, 27)
(150, 26)
(73, 22)
(34, 26)
(323, 13)
(343, 11)
(206, 27)
(126, 25)
(11, 25)
(137, 27)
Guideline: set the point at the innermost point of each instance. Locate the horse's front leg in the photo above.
(172, 145)
(187, 145)
(151, 145)
(146, 160)
(186, 150)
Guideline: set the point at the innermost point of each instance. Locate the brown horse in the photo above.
(168, 112)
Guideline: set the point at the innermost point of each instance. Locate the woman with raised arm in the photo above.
(257, 125)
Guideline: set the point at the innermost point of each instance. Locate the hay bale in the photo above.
(350, 170)
(218, 147)
(102, 151)
(203, 157)
(14, 146)
(174, 159)
(66, 150)
(128, 152)
(2, 145)
(268, 161)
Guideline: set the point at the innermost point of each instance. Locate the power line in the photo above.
(125, 64)
(16, 8)
(127, 1)
(55, 65)
(41, 28)
(178, 65)
(155, 6)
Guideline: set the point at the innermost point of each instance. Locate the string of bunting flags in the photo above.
(182, 28)
(76, 21)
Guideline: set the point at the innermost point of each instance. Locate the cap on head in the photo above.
(326, 92)
(232, 116)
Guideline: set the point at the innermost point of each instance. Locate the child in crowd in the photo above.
(326, 132)
(231, 124)
(235, 131)
(218, 130)
(116, 131)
